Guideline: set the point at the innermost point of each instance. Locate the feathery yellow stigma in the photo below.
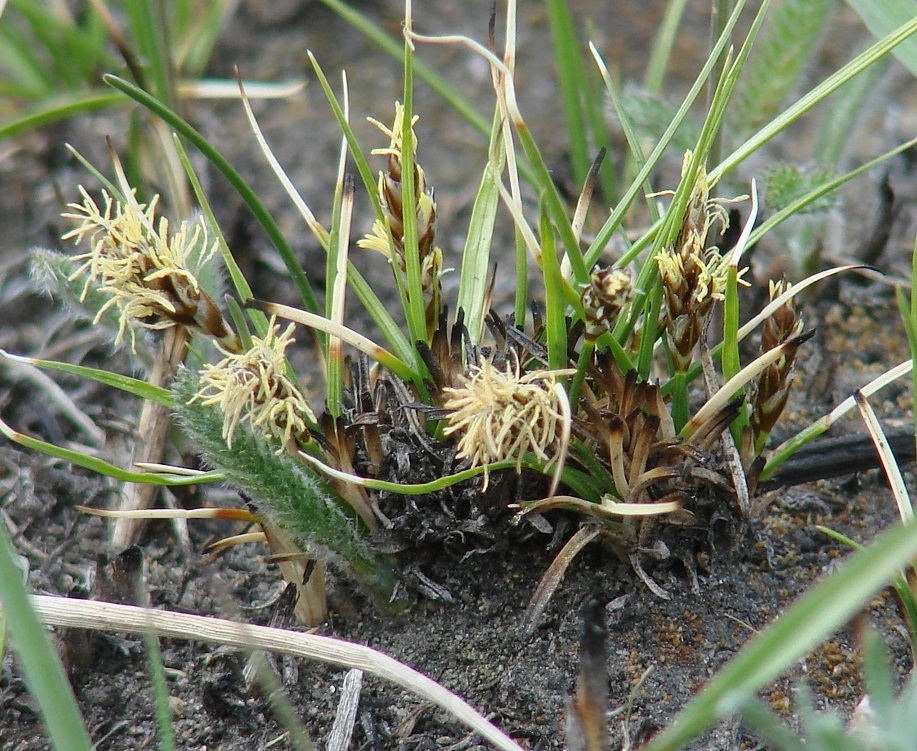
(501, 415)
(253, 386)
(143, 269)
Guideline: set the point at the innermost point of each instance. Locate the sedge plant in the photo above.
(627, 391)
(624, 397)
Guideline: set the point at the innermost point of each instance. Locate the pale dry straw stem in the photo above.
(887, 457)
(152, 434)
(319, 232)
(495, 62)
(99, 616)
(339, 290)
(514, 206)
(732, 457)
(789, 294)
(719, 400)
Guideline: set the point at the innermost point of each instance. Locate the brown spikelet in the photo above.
(608, 291)
(770, 391)
(387, 237)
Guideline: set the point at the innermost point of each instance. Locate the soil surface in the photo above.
(469, 636)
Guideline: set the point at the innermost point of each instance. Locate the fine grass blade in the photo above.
(786, 449)
(804, 625)
(414, 312)
(884, 16)
(556, 321)
(149, 24)
(663, 45)
(788, 42)
(38, 659)
(160, 691)
(102, 467)
(394, 47)
(797, 206)
(573, 83)
(59, 108)
(472, 292)
(239, 282)
(134, 386)
(248, 195)
(908, 600)
(603, 237)
(837, 79)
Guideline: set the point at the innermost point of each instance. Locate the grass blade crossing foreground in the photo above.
(57, 611)
(42, 667)
(800, 629)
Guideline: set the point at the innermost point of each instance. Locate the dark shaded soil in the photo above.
(473, 644)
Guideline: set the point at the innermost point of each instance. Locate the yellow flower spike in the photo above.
(500, 415)
(694, 275)
(253, 386)
(115, 233)
(141, 267)
(394, 133)
(387, 235)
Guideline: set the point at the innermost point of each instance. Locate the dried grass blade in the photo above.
(555, 573)
(56, 611)
(889, 464)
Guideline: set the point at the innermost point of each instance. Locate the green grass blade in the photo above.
(38, 659)
(788, 42)
(553, 202)
(392, 332)
(367, 296)
(134, 386)
(251, 199)
(76, 53)
(663, 45)
(60, 108)
(160, 691)
(239, 282)
(804, 625)
(913, 335)
(476, 254)
(102, 467)
(555, 318)
(630, 133)
(837, 79)
(414, 312)
(25, 76)
(730, 351)
(884, 16)
(197, 33)
(240, 322)
(795, 207)
(603, 237)
(571, 75)
(905, 594)
(394, 47)
(767, 725)
(150, 32)
(336, 283)
(366, 173)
